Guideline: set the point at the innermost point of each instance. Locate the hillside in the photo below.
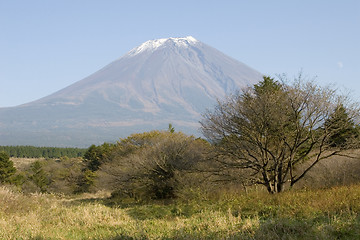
(161, 81)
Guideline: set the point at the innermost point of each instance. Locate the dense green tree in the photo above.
(342, 128)
(7, 169)
(38, 176)
(85, 181)
(96, 155)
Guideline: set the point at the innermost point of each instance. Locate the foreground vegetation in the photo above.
(313, 214)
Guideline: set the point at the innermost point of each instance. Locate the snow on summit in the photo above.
(152, 45)
(162, 81)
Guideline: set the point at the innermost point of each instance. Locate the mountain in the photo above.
(161, 81)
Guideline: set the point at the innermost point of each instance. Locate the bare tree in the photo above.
(272, 127)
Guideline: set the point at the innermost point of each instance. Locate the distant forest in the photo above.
(38, 152)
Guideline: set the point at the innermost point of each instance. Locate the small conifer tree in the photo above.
(39, 176)
(7, 169)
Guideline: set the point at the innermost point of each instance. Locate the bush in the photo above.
(50, 175)
(154, 164)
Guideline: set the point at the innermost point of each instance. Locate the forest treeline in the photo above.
(41, 152)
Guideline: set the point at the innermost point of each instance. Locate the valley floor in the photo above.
(313, 214)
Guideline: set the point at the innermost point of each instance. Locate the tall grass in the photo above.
(316, 214)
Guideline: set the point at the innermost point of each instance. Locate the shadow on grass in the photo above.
(161, 210)
(273, 229)
(125, 237)
(145, 210)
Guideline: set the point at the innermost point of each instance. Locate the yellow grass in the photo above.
(22, 163)
(317, 214)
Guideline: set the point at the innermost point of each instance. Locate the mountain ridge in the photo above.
(162, 81)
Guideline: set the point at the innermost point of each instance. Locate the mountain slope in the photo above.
(159, 82)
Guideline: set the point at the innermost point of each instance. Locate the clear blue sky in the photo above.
(46, 45)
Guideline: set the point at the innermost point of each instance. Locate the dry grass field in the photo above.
(312, 214)
(22, 163)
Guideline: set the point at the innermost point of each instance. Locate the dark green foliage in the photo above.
(93, 158)
(341, 127)
(171, 128)
(38, 152)
(7, 169)
(38, 176)
(86, 181)
(267, 85)
(18, 180)
(96, 155)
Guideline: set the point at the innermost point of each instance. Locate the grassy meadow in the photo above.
(302, 214)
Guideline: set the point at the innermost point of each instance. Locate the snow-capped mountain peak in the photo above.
(170, 80)
(152, 45)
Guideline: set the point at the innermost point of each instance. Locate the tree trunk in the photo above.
(267, 183)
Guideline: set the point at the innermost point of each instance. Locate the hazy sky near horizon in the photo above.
(46, 45)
